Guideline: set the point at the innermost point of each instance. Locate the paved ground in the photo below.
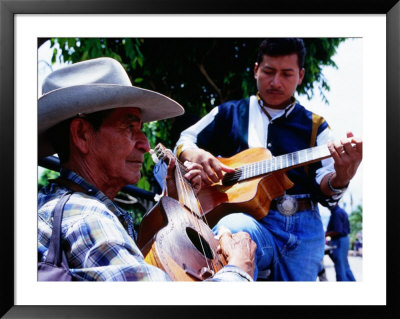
(356, 263)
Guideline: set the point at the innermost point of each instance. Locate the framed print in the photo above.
(23, 23)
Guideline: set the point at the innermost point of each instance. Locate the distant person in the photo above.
(357, 247)
(339, 229)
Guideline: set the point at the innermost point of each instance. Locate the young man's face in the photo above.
(119, 146)
(277, 79)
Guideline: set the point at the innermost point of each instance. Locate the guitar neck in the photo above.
(185, 191)
(278, 163)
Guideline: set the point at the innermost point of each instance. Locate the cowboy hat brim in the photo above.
(65, 103)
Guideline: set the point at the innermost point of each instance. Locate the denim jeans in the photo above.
(339, 258)
(291, 247)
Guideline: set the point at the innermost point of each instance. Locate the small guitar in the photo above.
(258, 179)
(175, 236)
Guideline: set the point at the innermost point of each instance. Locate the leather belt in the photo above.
(302, 204)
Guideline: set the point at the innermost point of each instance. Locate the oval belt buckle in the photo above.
(287, 205)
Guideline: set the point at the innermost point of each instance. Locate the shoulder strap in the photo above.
(317, 120)
(54, 253)
(69, 184)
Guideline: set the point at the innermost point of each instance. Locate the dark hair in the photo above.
(282, 46)
(59, 134)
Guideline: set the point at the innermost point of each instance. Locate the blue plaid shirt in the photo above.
(98, 237)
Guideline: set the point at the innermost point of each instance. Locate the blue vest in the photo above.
(227, 135)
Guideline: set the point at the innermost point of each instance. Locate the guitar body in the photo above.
(177, 241)
(252, 196)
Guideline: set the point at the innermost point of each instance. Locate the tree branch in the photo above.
(209, 80)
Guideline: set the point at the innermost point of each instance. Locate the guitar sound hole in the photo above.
(200, 243)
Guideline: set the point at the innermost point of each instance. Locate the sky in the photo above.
(344, 112)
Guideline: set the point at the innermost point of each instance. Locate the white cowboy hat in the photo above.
(91, 86)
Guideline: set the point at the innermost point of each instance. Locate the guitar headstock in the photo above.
(160, 153)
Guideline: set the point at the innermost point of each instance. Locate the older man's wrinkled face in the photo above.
(118, 147)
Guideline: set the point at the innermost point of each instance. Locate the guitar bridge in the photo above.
(204, 272)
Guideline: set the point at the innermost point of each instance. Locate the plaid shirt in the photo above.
(98, 237)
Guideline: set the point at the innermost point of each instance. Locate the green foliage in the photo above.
(319, 54)
(355, 220)
(136, 210)
(199, 73)
(126, 51)
(45, 176)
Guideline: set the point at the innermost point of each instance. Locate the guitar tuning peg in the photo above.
(154, 156)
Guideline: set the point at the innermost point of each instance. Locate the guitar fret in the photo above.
(301, 157)
(283, 161)
(257, 169)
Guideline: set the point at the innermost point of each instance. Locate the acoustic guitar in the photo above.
(258, 179)
(175, 236)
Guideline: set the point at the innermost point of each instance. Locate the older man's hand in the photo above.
(239, 249)
(193, 175)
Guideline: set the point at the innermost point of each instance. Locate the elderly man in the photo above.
(91, 116)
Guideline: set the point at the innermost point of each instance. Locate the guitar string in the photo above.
(269, 163)
(193, 195)
(216, 257)
(187, 189)
(200, 214)
(184, 193)
(178, 178)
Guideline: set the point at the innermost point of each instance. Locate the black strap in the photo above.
(69, 184)
(54, 252)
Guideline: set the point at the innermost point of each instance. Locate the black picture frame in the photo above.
(8, 10)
